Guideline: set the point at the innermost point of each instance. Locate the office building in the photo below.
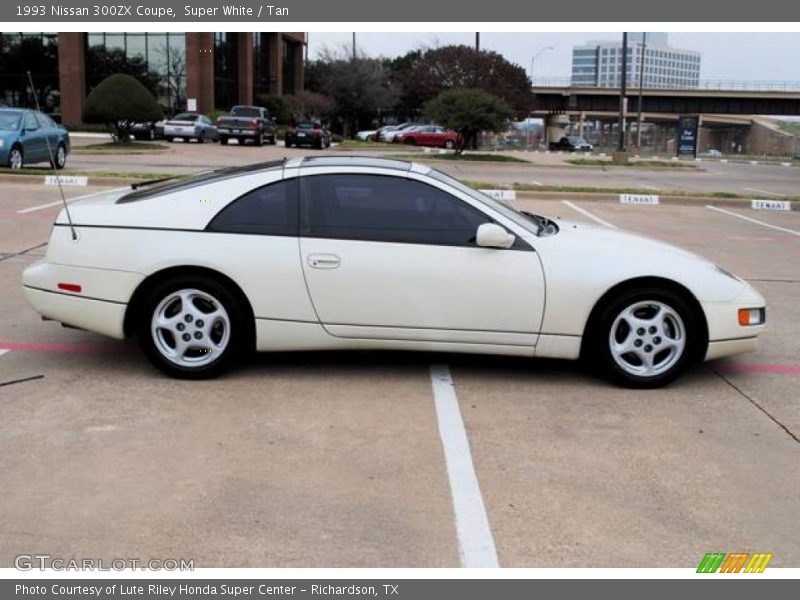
(219, 70)
(599, 63)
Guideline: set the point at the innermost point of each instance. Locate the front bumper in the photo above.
(726, 336)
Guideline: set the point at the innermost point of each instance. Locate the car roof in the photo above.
(351, 161)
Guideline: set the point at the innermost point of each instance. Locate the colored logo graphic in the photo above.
(736, 562)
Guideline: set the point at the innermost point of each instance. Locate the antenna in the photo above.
(53, 163)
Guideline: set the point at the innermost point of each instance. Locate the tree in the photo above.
(311, 106)
(469, 111)
(101, 62)
(119, 101)
(279, 107)
(359, 86)
(422, 75)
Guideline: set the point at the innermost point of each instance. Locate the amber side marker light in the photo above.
(751, 316)
(74, 287)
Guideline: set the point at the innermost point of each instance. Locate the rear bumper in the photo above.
(100, 316)
(100, 305)
(237, 132)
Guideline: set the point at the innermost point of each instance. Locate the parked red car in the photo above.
(428, 135)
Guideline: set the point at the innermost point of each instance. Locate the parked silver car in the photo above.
(190, 126)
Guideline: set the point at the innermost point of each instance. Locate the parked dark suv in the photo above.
(572, 143)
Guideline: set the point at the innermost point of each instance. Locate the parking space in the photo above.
(341, 459)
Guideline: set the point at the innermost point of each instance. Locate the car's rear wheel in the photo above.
(223, 140)
(259, 139)
(191, 327)
(646, 338)
(170, 139)
(287, 144)
(449, 144)
(410, 141)
(16, 158)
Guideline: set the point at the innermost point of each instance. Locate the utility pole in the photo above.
(623, 83)
(354, 45)
(477, 42)
(641, 86)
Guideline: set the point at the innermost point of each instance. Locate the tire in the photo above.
(170, 139)
(273, 141)
(60, 157)
(287, 144)
(201, 138)
(223, 140)
(449, 144)
(175, 308)
(16, 157)
(410, 142)
(646, 338)
(320, 144)
(259, 139)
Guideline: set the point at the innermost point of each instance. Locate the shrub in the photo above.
(119, 101)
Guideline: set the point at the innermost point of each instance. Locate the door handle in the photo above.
(324, 261)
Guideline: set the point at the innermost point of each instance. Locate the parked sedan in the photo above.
(388, 135)
(428, 135)
(148, 130)
(190, 126)
(29, 136)
(307, 133)
(365, 253)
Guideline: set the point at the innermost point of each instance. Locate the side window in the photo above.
(384, 208)
(30, 121)
(268, 210)
(45, 121)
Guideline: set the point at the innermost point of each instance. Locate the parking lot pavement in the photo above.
(27, 212)
(339, 459)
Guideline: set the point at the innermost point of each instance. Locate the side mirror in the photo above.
(492, 235)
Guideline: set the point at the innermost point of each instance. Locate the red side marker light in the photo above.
(70, 287)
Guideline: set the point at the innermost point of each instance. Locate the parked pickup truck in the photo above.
(247, 123)
(572, 143)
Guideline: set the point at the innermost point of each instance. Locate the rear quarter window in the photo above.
(269, 210)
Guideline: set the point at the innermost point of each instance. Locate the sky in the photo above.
(730, 56)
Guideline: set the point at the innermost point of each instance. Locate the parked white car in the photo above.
(349, 252)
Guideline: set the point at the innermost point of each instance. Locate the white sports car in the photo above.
(350, 252)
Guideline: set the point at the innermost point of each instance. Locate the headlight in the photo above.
(1, 143)
(752, 316)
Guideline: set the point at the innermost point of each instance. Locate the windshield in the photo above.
(245, 111)
(9, 119)
(577, 140)
(184, 117)
(505, 210)
(307, 125)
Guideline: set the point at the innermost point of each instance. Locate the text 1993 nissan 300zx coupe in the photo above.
(349, 252)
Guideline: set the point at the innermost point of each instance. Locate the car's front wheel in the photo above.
(191, 327)
(15, 158)
(646, 338)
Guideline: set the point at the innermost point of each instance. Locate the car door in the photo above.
(33, 142)
(50, 132)
(394, 257)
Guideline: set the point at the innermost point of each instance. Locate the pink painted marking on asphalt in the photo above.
(85, 348)
(761, 368)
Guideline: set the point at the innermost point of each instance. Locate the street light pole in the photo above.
(623, 83)
(477, 42)
(535, 56)
(641, 87)
(354, 45)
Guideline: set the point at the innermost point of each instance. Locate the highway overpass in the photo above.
(591, 101)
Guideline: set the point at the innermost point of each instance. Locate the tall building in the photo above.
(218, 70)
(599, 63)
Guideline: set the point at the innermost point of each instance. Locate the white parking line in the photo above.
(766, 192)
(588, 214)
(3, 351)
(69, 200)
(475, 542)
(752, 220)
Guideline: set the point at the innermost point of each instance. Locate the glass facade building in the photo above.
(216, 70)
(599, 64)
(158, 60)
(34, 52)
